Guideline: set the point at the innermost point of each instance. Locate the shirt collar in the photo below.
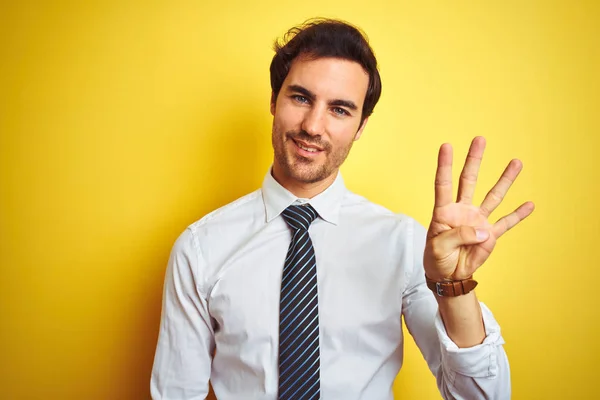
(327, 203)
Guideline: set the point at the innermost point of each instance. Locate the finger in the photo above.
(497, 193)
(444, 243)
(509, 221)
(443, 176)
(468, 176)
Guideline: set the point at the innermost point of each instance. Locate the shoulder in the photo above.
(221, 221)
(369, 217)
(358, 205)
(238, 210)
(216, 233)
(209, 238)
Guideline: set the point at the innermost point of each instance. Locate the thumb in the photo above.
(463, 235)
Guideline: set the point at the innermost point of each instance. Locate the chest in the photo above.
(360, 278)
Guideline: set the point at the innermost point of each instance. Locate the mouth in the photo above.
(305, 149)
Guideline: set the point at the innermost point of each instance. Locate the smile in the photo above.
(306, 148)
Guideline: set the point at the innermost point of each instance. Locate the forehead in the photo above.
(330, 78)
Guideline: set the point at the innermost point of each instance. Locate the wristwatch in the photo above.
(449, 288)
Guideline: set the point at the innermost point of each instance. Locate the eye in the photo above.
(299, 98)
(340, 111)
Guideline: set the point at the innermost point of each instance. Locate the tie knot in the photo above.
(299, 217)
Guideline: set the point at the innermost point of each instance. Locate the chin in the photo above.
(300, 169)
(307, 173)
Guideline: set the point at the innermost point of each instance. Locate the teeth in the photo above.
(307, 148)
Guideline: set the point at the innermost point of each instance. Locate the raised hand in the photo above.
(460, 237)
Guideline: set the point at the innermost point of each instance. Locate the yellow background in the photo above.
(122, 122)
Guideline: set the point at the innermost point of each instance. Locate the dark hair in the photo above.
(318, 38)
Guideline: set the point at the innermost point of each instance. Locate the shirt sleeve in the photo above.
(478, 372)
(182, 362)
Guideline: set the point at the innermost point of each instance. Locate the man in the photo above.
(296, 291)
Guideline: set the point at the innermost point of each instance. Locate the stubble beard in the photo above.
(303, 169)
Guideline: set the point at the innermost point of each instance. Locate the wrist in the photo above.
(449, 287)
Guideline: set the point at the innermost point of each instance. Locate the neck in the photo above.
(302, 189)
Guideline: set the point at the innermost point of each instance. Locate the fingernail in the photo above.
(481, 234)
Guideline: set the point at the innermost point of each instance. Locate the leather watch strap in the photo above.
(450, 288)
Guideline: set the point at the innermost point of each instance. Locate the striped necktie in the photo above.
(298, 313)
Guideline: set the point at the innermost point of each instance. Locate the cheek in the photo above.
(279, 129)
(343, 136)
(288, 118)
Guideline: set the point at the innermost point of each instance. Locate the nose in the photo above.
(314, 121)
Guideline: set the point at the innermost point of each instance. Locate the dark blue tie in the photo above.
(299, 354)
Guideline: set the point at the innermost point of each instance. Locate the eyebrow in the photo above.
(310, 95)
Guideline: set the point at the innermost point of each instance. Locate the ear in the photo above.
(361, 129)
(273, 101)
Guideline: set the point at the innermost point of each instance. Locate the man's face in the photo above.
(317, 117)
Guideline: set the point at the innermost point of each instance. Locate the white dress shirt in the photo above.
(220, 316)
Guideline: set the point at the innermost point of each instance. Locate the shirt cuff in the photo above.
(480, 361)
